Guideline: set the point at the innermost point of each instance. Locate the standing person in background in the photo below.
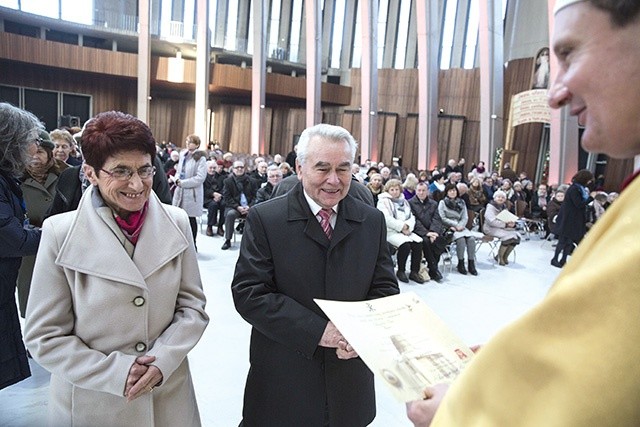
(64, 145)
(38, 187)
(191, 172)
(536, 371)
(571, 224)
(18, 142)
(303, 372)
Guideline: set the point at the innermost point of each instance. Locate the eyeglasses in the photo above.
(124, 174)
(238, 167)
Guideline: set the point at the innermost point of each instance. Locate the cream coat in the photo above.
(94, 308)
(395, 236)
(573, 359)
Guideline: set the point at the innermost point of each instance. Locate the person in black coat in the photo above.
(274, 177)
(239, 194)
(18, 142)
(303, 371)
(571, 222)
(213, 200)
(429, 227)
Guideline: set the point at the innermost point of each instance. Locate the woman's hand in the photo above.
(405, 230)
(142, 378)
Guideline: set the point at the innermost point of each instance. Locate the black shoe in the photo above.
(556, 263)
(461, 268)
(436, 275)
(227, 245)
(209, 230)
(220, 231)
(472, 268)
(416, 278)
(402, 276)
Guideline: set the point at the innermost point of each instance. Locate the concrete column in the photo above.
(391, 35)
(258, 77)
(369, 77)
(347, 35)
(313, 51)
(144, 61)
(327, 31)
(221, 23)
(412, 42)
(242, 32)
(459, 33)
(428, 41)
(284, 35)
(491, 78)
(203, 60)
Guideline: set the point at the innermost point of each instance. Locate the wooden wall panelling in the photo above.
(411, 140)
(240, 129)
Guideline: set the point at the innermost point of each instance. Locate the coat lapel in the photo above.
(92, 247)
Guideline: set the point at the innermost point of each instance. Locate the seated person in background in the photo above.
(554, 207)
(489, 186)
(436, 188)
(463, 191)
(400, 224)
(274, 176)
(286, 169)
(505, 231)
(477, 197)
(213, 184)
(507, 187)
(520, 198)
(239, 194)
(375, 186)
(259, 174)
(611, 198)
(409, 186)
(172, 161)
(428, 226)
(539, 202)
(595, 209)
(453, 214)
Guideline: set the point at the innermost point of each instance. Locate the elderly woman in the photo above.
(505, 231)
(375, 186)
(409, 186)
(64, 146)
(39, 188)
(18, 143)
(116, 300)
(453, 213)
(400, 223)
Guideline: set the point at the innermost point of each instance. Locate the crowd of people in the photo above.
(112, 329)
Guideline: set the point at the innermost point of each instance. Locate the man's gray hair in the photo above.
(274, 168)
(18, 130)
(323, 130)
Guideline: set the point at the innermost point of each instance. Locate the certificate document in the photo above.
(506, 216)
(402, 340)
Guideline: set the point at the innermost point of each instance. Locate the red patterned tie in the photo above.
(325, 221)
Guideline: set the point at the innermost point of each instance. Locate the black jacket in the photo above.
(427, 216)
(234, 186)
(16, 241)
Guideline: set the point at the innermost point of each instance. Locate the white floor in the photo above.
(474, 307)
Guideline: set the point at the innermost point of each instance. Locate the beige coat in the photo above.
(94, 308)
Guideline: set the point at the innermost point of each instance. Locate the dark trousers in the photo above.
(432, 251)
(565, 246)
(194, 227)
(215, 213)
(415, 248)
(230, 216)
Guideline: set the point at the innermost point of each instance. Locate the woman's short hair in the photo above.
(451, 187)
(410, 182)
(330, 132)
(193, 139)
(499, 193)
(113, 132)
(393, 183)
(64, 135)
(18, 130)
(583, 177)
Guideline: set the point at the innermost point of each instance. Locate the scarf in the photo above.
(480, 169)
(499, 206)
(132, 226)
(453, 204)
(40, 171)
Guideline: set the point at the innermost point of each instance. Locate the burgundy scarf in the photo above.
(132, 226)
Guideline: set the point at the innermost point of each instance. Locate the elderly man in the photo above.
(274, 176)
(573, 360)
(314, 242)
(239, 194)
(429, 227)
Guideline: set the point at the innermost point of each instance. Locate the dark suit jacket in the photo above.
(231, 191)
(285, 261)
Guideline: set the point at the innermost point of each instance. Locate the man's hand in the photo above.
(421, 412)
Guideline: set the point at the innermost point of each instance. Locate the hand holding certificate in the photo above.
(401, 339)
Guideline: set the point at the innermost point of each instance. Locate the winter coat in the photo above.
(189, 195)
(16, 241)
(396, 220)
(455, 218)
(571, 221)
(97, 303)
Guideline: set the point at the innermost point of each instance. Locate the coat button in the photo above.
(140, 347)
(138, 301)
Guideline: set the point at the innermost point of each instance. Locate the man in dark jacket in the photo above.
(213, 201)
(239, 194)
(429, 227)
(315, 242)
(274, 177)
